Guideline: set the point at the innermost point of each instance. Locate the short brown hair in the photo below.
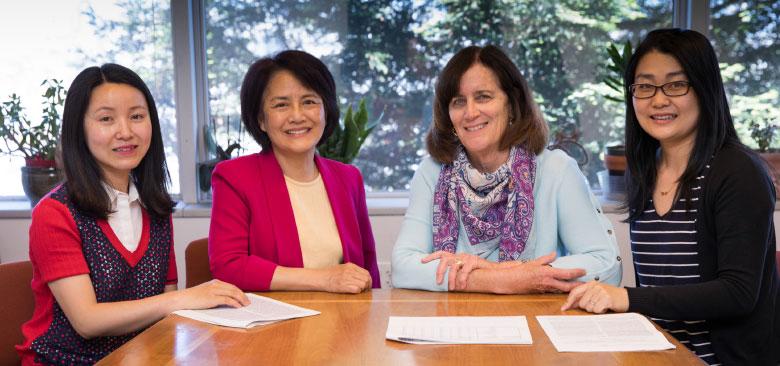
(528, 130)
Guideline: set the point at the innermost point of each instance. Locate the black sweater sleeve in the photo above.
(735, 231)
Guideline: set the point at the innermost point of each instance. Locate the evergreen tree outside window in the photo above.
(390, 53)
(746, 36)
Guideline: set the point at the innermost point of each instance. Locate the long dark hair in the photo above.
(714, 129)
(83, 174)
(529, 129)
(309, 71)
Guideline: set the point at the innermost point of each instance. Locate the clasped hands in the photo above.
(517, 277)
(346, 278)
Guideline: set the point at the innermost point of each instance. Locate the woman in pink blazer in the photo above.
(286, 218)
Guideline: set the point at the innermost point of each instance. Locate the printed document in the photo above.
(459, 330)
(603, 333)
(261, 311)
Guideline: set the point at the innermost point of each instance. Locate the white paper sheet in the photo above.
(459, 330)
(261, 311)
(603, 333)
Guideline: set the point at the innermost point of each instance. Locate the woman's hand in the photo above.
(597, 297)
(460, 266)
(210, 294)
(91, 319)
(346, 278)
(537, 276)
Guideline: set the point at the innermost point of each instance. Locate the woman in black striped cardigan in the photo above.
(700, 208)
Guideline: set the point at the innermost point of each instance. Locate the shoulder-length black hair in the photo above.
(309, 70)
(83, 175)
(529, 129)
(714, 129)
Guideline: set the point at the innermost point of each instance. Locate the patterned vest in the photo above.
(113, 279)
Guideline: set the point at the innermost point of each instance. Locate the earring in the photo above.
(511, 120)
(454, 132)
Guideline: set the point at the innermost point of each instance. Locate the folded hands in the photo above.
(467, 272)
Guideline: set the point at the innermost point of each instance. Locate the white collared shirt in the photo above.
(127, 218)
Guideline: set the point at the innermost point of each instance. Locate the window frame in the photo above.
(188, 27)
(191, 86)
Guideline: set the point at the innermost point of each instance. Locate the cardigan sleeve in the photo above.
(415, 240)
(737, 213)
(584, 231)
(366, 234)
(229, 255)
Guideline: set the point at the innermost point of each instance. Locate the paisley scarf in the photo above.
(491, 205)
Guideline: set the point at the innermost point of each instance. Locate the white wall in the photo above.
(13, 240)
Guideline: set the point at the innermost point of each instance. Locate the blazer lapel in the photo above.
(343, 209)
(280, 212)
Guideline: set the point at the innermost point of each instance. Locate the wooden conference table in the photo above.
(351, 331)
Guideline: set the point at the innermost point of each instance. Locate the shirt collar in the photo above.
(113, 194)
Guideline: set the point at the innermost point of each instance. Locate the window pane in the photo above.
(57, 39)
(391, 52)
(745, 36)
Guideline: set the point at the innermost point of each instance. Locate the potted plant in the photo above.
(343, 144)
(37, 143)
(216, 152)
(349, 135)
(615, 158)
(612, 181)
(763, 130)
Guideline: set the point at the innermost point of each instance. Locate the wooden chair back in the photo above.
(196, 261)
(18, 303)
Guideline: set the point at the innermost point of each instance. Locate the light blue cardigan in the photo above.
(567, 219)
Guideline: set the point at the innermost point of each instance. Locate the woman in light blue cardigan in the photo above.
(492, 210)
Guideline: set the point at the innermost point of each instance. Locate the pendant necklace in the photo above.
(664, 193)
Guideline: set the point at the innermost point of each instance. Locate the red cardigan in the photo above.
(253, 227)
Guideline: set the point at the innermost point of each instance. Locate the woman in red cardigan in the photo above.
(286, 218)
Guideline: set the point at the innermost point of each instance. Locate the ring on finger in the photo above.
(459, 263)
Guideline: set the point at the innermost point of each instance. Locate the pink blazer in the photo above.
(253, 227)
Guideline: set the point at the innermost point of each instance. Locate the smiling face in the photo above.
(118, 131)
(480, 114)
(670, 120)
(293, 115)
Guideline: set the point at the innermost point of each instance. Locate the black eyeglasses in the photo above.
(670, 89)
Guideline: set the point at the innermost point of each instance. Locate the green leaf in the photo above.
(613, 52)
(351, 135)
(614, 84)
(627, 53)
(338, 139)
(347, 138)
(361, 117)
(375, 122)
